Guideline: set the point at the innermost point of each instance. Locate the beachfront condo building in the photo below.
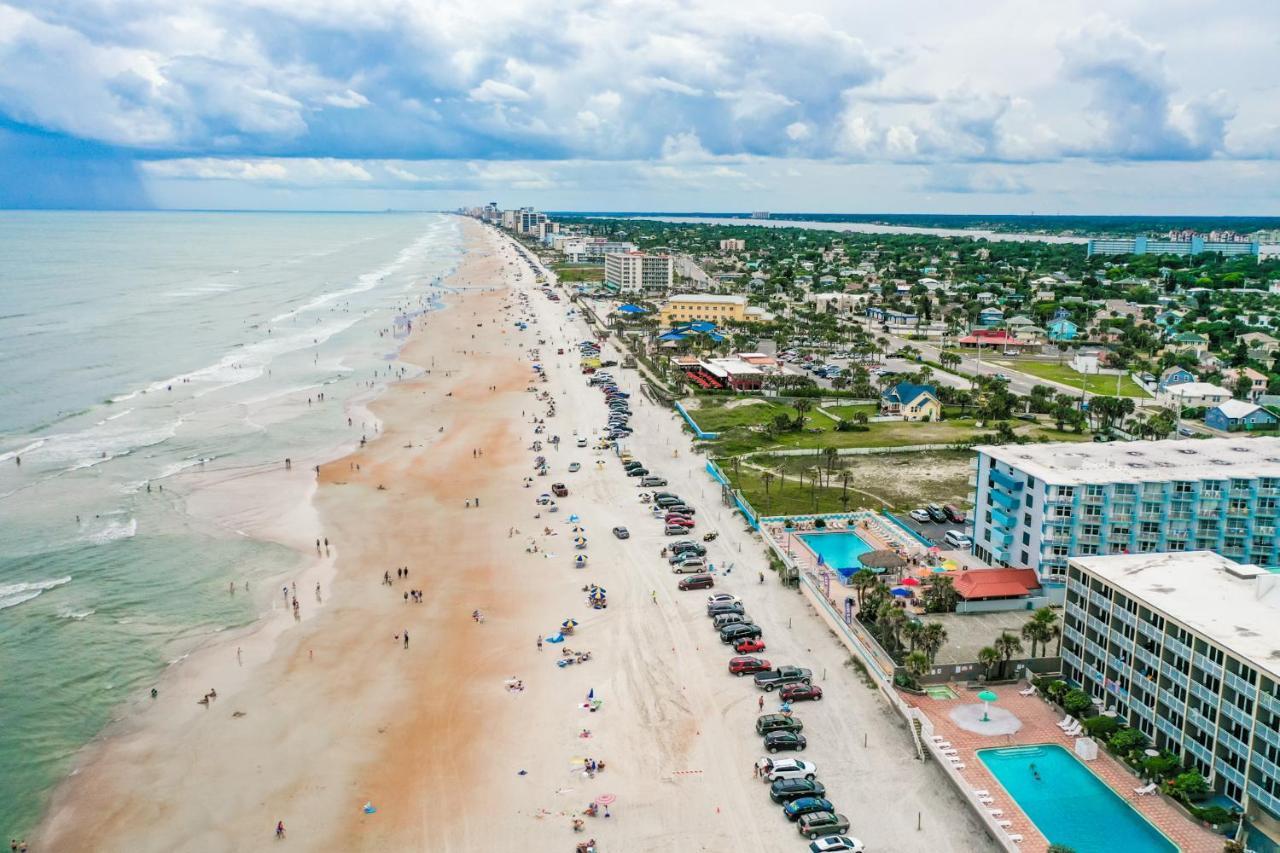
(710, 307)
(1184, 648)
(1036, 506)
(638, 272)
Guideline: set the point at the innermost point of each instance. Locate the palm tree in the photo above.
(933, 639)
(1047, 618)
(917, 665)
(987, 656)
(862, 580)
(1007, 645)
(830, 455)
(912, 632)
(1034, 632)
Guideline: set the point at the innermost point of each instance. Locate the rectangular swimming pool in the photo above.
(1070, 805)
(839, 549)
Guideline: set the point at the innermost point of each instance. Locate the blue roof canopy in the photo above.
(631, 309)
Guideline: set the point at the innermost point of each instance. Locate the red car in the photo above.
(754, 644)
(801, 692)
(744, 665)
(680, 520)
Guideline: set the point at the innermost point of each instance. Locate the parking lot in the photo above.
(932, 531)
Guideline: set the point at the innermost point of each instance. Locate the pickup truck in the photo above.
(775, 678)
(559, 490)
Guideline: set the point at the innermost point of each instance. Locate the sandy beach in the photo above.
(319, 716)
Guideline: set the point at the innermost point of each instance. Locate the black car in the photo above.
(686, 546)
(740, 631)
(666, 502)
(936, 513)
(622, 533)
(782, 741)
(638, 472)
(632, 464)
(683, 509)
(725, 607)
(786, 790)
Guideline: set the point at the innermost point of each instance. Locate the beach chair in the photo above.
(987, 801)
(996, 812)
(1065, 722)
(1147, 789)
(981, 792)
(938, 738)
(949, 753)
(1015, 838)
(1004, 824)
(942, 744)
(1030, 691)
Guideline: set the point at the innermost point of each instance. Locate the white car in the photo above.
(773, 769)
(574, 467)
(582, 442)
(836, 842)
(722, 598)
(920, 516)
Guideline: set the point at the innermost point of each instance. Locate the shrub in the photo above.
(819, 523)
(1075, 701)
(1215, 815)
(1126, 740)
(1101, 727)
(1061, 848)
(1159, 766)
(850, 426)
(1056, 688)
(1190, 786)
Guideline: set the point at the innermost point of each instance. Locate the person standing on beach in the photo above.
(406, 639)
(279, 830)
(539, 642)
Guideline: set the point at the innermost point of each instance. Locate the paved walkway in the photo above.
(1039, 726)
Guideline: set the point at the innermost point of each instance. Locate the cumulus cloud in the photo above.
(260, 170)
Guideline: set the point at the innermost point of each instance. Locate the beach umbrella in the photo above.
(605, 800)
(574, 517)
(910, 582)
(901, 592)
(569, 623)
(882, 560)
(987, 697)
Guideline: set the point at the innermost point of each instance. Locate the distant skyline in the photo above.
(819, 106)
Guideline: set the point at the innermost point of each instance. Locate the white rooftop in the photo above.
(1070, 463)
(709, 297)
(1237, 408)
(1196, 389)
(1232, 604)
(731, 366)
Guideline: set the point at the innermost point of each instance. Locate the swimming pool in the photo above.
(838, 550)
(1068, 804)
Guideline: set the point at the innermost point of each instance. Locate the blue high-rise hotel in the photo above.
(1038, 505)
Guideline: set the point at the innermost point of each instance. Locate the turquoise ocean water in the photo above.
(135, 347)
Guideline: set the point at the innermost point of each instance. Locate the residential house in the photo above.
(891, 317)
(1257, 381)
(1175, 376)
(912, 402)
(986, 297)
(989, 317)
(1261, 346)
(1000, 338)
(1015, 324)
(1190, 341)
(1193, 395)
(1062, 329)
(1086, 361)
(1237, 414)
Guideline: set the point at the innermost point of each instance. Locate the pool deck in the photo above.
(1039, 726)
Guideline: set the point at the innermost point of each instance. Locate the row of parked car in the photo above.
(793, 783)
(618, 424)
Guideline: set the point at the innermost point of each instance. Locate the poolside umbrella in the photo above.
(901, 592)
(987, 697)
(910, 582)
(882, 560)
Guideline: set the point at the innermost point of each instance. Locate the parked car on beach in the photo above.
(786, 790)
(800, 693)
(798, 808)
(833, 843)
(766, 723)
(621, 533)
(783, 675)
(784, 741)
(773, 769)
(817, 824)
(696, 582)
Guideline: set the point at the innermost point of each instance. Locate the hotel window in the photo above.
(1093, 491)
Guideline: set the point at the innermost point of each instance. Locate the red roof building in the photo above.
(979, 584)
(993, 338)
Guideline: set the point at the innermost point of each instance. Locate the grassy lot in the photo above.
(847, 412)
(900, 481)
(741, 421)
(579, 272)
(1065, 375)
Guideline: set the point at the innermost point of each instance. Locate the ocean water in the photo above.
(138, 351)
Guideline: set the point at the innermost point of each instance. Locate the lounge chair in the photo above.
(1147, 789)
(981, 792)
(1015, 838)
(1004, 824)
(942, 744)
(949, 752)
(958, 765)
(996, 812)
(938, 738)
(986, 799)
(1065, 722)
(1030, 691)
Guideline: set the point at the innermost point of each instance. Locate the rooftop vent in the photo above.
(1187, 450)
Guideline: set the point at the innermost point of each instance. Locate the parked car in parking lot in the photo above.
(818, 824)
(766, 723)
(800, 693)
(954, 514)
(575, 467)
(786, 790)
(743, 631)
(773, 769)
(783, 741)
(675, 530)
(692, 566)
(637, 472)
(683, 509)
(696, 582)
(653, 481)
(957, 539)
(832, 843)
(797, 808)
(722, 620)
(721, 598)
(920, 516)
(560, 490)
(936, 514)
(744, 647)
(725, 607)
(582, 442)
(775, 678)
(747, 664)
(688, 546)
(682, 521)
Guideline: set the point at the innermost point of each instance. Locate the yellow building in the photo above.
(703, 306)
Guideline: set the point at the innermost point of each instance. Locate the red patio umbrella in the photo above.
(910, 582)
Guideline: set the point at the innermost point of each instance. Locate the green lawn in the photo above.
(847, 412)
(1064, 374)
(900, 481)
(579, 272)
(715, 415)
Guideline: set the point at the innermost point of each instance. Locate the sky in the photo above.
(1008, 106)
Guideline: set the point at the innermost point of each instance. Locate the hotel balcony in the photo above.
(1005, 481)
(1233, 712)
(1203, 693)
(1241, 686)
